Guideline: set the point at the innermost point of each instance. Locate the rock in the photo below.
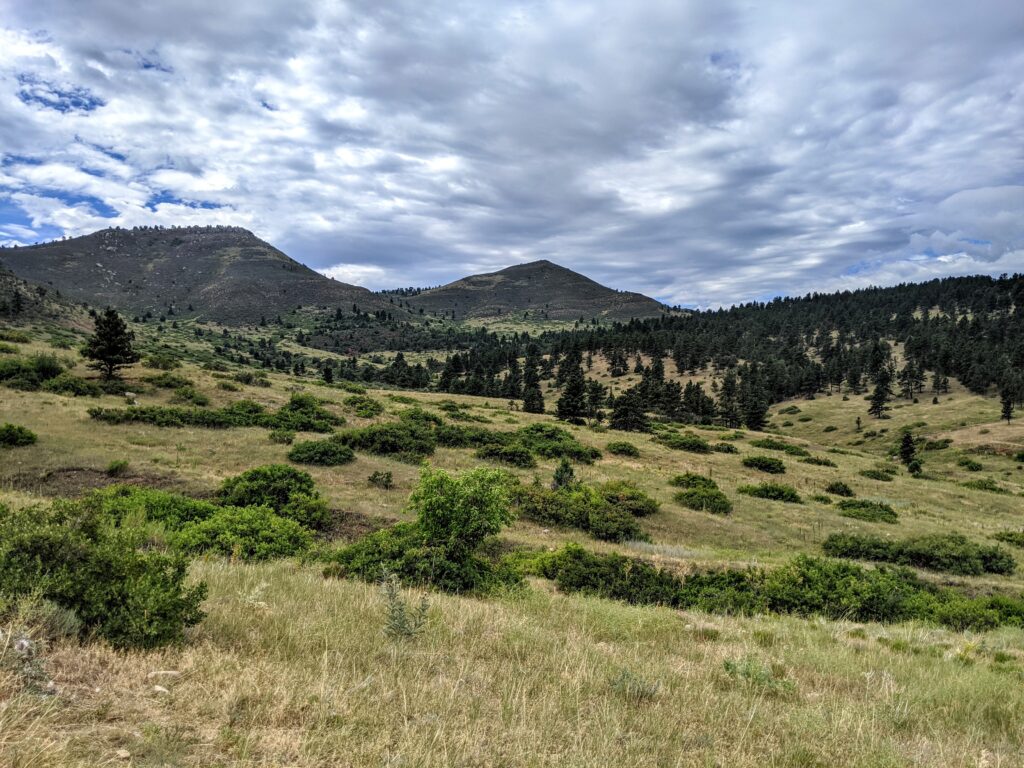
(123, 754)
(163, 673)
(160, 689)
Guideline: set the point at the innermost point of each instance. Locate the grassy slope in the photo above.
(297, 671)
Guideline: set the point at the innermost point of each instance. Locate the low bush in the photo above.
(16, 436)
(622, 448)
(161, 361)
(724, 448)
(364, 406)
(191, 396)
(626, 496)
(287, 491)
(772, 444)
(325, 453)
(455, 515)
(1019, 456)
(75, 386)
(876, 474)
(821, 498)
(772, 492)
(247, 533)
(29, 373)
(282, 436)
(969, 464)
(704, 497)
(132, 596)
(984, 484)
(951, 553)
(117, 468)
(687, 441)
(818, 461)
(768, 464)
(937, 445)
(168, 380)
(869, 511)
(513, 454)
(551, 442)
(839, 488)
(1016, 538)
(381, 479)
(577, 506)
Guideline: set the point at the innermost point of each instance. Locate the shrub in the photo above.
(692, 480)
(287, 491)
(67, 554)
(772, 492)
(686, 441)
(168, 381)
(29, 373)
(161, 361)
(325, 453)
(969, 464)
(869, 511)
(876, 474)
(577, 506)
(248, 533)
(767, 464)
(724, 448)
(117, 468)
(1016, 538)
(1019, 456)
(830, 428)
(821, 498)
(839, 488)
(303, 413)
(623, 448)
(951, 553)
(191, 396)
(704, 500)
(818, 461)
(611, 576)
(403, 438)
(513, 454)
(771, 444)
(18, 337)
(16, 436)
(937, 445)
(282, 436)
(228, 386)
(124, 504)
(626, 496)
(454, 517)
(551, 442)
(984, 484)
(75, 386)
(382, 479)
(364, 406)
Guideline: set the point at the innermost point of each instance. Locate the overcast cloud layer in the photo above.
(700, 152)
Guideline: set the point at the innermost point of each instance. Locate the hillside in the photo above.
(24, 302)
(539, 290)
(219, 273)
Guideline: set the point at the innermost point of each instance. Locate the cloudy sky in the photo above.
(700, 152)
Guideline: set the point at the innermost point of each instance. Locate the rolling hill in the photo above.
(220, 273)
(540, 290)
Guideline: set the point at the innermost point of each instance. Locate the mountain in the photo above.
(222, 273)
(542, 289)
(23, 302)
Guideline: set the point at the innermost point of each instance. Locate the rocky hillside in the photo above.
(220, 273)
(539, 290)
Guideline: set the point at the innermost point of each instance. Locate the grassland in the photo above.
(292, 669)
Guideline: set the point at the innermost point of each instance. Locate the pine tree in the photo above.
(110, 346)
(728, 400)
(908, 451)
(881, 394)
(564, 476)
(572, 405)
(533, 399)
(754, 399)
(628, 412)
(1006, 400)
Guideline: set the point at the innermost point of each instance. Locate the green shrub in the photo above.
(869, 511)
(984, 484)
(325, 453)
(818, 461)
(969, 464)
(16, 436)
(577, 506)
(772, 492)
(191, 396)
(830, 428)
(693, 480)
(771, 444)
(1016, 538)
(247, 533)
(876, 474)
(821, 498)
(454, 517)
(1019, 456)
(382, 479)
(8, 349)
(168, 381)
(513, 454)
(30, 373)
(767, 464)
(626, 496)
(161, 361)
(611, 576)
(228, 386)
(623, 448)
(724, 448)
(69, 554)
(287, 491)
(17, 337)
(304, 413)
(839, 488)
(282, 436)
(404, 438)
(551, 442)
(951, 553)
(687, 441)
(117, 468)
(75, 386)
(704, 500)
(364, 406)
(937, 445)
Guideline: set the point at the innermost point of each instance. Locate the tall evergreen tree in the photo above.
(628, 412)
(1006, 401)
(110, 347)
(882, 392)
(533, 398)
(728, 400)
(572, 405)
(908, 451)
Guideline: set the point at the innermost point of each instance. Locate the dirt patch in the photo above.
(350, 526)
(72, 482)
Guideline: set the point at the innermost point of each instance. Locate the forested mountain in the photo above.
(220, 273)
(539, 290)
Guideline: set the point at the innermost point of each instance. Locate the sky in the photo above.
(704, 153)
